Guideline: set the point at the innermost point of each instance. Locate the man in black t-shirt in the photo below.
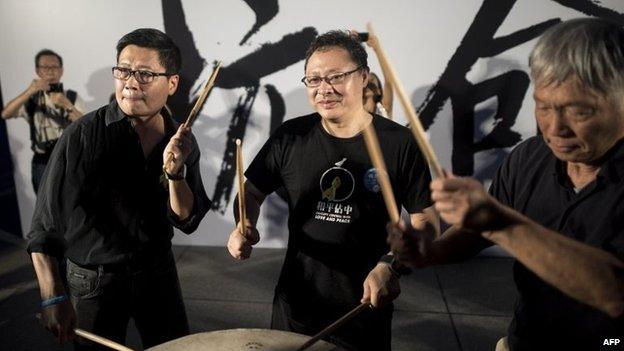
(557, 202)
(337, 241)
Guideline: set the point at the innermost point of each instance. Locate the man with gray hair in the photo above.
(557, 202)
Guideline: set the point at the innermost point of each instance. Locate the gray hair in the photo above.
(587, 49)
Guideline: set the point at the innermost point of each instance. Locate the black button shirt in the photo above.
(535, 183)
(102, 201)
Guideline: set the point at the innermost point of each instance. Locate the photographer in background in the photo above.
(47, 107)
(378, 97)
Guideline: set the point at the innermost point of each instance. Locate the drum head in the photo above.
(243, 340)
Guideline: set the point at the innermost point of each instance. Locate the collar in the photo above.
(113, 113)
(613, 167)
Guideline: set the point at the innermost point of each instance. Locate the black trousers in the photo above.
(105, 298)
(370, 330)
(38, 165)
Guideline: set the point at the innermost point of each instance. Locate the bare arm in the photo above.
(583, 272)
(61, 101)
(74, 114)
(388, 89)
(181, 197)
(58, 318)
(381, 285)
(13, 106)
(46, 268)
(240, 244)
(419, 247)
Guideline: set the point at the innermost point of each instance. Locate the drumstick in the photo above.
(101, 340)
(203, 96)
(241, 186)
(337, 324)
(374, 151)
(96, 338)
(198, 104)
(416, 126)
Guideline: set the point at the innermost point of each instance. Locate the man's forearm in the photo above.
(13, 106)
(583, 272)
(181, 198)
(46, 268)
(253, 200)
(455, 245)
(74, 115)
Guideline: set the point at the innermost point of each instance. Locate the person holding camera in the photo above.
(48, 109)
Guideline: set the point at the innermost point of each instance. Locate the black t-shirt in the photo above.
(337, 215)
(534, 182)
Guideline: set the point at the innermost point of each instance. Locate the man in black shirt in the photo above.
(337, 240)
(108, 204)
(557, 202)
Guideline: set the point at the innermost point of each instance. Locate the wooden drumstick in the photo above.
(203, 96)
(96, 338)
(416, 126)
(374, 151)
(101, 340)
(198, 104)
(241, 186)
(337, 324)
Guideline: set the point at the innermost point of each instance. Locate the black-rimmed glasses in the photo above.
(332, 79)
(141, 76)
(49, 68)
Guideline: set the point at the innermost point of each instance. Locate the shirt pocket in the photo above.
(83, 283)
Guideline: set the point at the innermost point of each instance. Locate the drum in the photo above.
(243, 340)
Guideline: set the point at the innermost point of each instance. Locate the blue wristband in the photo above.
(53, 301)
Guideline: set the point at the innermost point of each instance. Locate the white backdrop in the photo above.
(419, 36)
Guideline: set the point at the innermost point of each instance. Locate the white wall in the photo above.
(419, 36)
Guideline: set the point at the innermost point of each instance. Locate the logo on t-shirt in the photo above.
(337, 185)
(370, 181)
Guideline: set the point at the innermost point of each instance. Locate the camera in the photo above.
(55, 88)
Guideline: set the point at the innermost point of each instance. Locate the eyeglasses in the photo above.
(141, 76)
(49, 68)
(333, 79)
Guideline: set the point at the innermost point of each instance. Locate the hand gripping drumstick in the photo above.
(198, 105)
(96, 338)
(337, 324)
(241, 186)
(416, 126)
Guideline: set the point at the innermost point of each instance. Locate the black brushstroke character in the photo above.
(509, 88)
(265, 10)
(245, 72)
